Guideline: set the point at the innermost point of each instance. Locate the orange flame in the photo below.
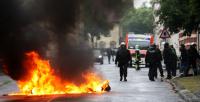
(43, 81)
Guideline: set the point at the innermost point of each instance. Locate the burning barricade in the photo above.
(43, 80)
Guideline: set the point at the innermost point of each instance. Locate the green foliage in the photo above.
(179, 14)
(138, 21)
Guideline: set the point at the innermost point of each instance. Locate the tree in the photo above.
(194, 13)
(178, 15)
(138, 20)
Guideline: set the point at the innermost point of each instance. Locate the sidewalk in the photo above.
(188, 88)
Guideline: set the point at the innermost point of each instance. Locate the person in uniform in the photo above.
(137, 59)
(168, 60)
(123, 58)
(152, 57)
(174, 61)
(193, 56)
(109, 53)
(159, 63)
(184, 60)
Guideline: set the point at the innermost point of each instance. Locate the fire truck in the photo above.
(138, 42)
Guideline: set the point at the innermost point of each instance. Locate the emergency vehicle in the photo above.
(139, 42)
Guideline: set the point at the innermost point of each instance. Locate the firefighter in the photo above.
(123, 57)
(137, 59)
(152, 57)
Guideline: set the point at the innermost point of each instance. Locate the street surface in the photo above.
(137, 89)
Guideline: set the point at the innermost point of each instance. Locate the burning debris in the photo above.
(43, 81)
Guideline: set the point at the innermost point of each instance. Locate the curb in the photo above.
(184, 93)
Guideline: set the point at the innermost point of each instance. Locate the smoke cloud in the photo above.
(49, 27)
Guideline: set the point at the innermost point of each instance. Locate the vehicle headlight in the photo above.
(100, 56)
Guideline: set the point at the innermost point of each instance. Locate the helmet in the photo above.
(193, 44)
(122, 43)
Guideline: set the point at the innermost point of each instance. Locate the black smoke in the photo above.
(49, 27)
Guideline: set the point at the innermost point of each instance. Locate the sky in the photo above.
(139, 3)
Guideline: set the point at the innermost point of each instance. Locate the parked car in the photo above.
(98, 56)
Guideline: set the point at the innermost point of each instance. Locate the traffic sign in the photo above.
(165, 34)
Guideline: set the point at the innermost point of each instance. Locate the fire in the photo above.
(43, 81)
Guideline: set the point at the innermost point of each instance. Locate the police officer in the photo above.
(109, 53)
(193, 56)
(152, 57)
(184, 60)
(113, 55)
(174, 61)
(123, 57)
(159, 64)
(168, 60)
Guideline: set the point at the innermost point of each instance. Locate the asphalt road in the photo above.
(137, 89)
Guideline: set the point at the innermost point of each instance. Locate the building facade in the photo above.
(111, 41)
